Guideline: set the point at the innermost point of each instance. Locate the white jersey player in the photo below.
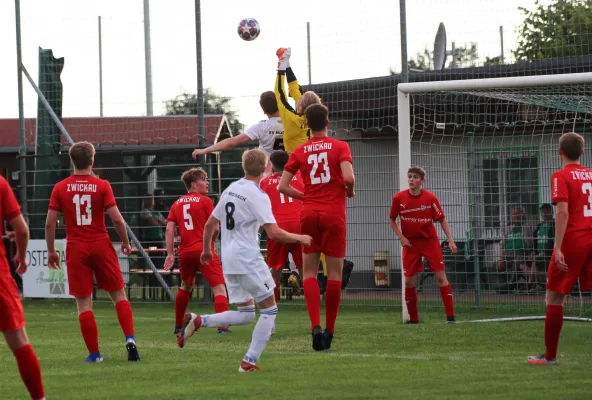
(242, 210)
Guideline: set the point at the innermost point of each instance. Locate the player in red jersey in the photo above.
(571, 193)
(84, 199)
(286, 211)
(12, 319)
(190, 213)
(417, 209)
(326, 168)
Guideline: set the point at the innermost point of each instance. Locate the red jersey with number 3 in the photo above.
(573, 184)
(319, 161)
(83, 200)
(285, 209)
(417, 213)
(190, 213)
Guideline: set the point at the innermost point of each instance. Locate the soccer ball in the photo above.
(249, 29)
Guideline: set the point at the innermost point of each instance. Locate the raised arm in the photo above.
(294, 88)
(226, 144)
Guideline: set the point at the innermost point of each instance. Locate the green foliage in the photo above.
(560, 29)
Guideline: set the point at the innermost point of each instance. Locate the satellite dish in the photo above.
(440, 48)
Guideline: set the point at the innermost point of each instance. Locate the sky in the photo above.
(349, 40)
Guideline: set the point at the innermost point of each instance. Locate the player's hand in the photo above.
(405, 242)
(306, 240)
(452, 246)
(126, 249)
(197, 152)
(206, 257)
(351, 194)
(283, 54)
(20, 264)
(560, 260)
(11, 236)
(53, 260)
(169, 262)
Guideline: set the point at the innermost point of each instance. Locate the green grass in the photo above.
(374, 356)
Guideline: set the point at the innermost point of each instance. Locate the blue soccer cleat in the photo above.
(94, 358)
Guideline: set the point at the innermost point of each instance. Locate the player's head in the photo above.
(547, 212)
(268, 103)
(196, 180)
(306, 100)
(415, 177)
(254, 162)
(82, 155)
(279, 159)
(317, 117)
(571, 146)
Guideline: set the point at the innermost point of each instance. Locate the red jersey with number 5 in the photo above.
(573, 184)
(83, 200)
(190, 213)
(319, 161)
(285, 209)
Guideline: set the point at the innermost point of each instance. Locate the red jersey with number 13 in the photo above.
(191, 213)
(83, 200)
(573, 184)
(284, 208)
(319, 161)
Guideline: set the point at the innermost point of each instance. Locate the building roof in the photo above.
(128, 132)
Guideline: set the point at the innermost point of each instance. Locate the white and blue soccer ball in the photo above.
(249, 29)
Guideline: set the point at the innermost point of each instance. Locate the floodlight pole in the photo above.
(201, 127)
(21, 111)
(403, 28)
(308, 48)
(100, 68)
(148, 59)
(501, 32)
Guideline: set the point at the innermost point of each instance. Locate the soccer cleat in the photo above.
(223, 331)
(176, 330)
(328, 338)
(247, 367)
(294, 283)
(132, 350)
(450, 320)
(411, 322)
(94, 358)
(541, 360)
(191, 323)
(318, 339)
(283, 55)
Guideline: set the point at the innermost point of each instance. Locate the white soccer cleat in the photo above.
(191, 323)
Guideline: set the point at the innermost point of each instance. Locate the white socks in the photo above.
(261, 334)
(243, 316)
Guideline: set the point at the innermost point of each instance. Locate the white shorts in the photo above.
(257, 285)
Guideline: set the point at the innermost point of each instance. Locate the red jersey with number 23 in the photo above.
(319, 161)
(83, 200)
(284, 208)
(573, 184)
(190, 213)
(417, 213)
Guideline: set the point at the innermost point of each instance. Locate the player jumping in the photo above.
(12, 319)
(417, 209)
(190, 214)
(571, 193)
(84, 199)
(242, 210)
(326, 168)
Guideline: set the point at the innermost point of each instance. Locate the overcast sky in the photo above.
(347, 42)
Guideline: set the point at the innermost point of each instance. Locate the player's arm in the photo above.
(287, 112)
(349, 178)
(53, 259)
(277, 234)
(226, 144)
(120, 228)
(393, 223)
(170, 245)
(294, 89)
(448, 232)
(211, 226)
(561, 217)
(286, 189)
(21, 237)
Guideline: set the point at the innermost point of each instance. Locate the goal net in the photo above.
(489, 147)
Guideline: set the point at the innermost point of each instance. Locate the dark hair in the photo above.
(193, 175)
(82, 154)
(571, 145)
(316, 117)
(417, 170)
(279, 159)
(268, 102)
(547, 206)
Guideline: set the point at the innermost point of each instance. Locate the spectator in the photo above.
(516, 250)
(544, 236)
(151, 224)
(160, 204)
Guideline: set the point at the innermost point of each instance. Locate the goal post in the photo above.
(489, 147)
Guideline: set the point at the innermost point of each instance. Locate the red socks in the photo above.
(312, 295)
(553, 325)
(181, 303)
(125, 317)
(447, 299)
(90, 333)
(276, 292)
(411, 301)
(220, 304)
(30, 371)
(332, 301)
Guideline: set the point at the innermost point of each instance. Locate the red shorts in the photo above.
(189, 264)
(328, 232)
(83, 260)
(277, 253)
(429, 249)
(579, 265)
(12, 317)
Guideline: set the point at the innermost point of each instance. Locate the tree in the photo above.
(492, 61)
(560, 29)
(463, 57)
(186, 104)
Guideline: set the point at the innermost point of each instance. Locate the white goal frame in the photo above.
(404, 117)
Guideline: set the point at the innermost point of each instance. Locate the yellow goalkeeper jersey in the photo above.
(295, 130)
